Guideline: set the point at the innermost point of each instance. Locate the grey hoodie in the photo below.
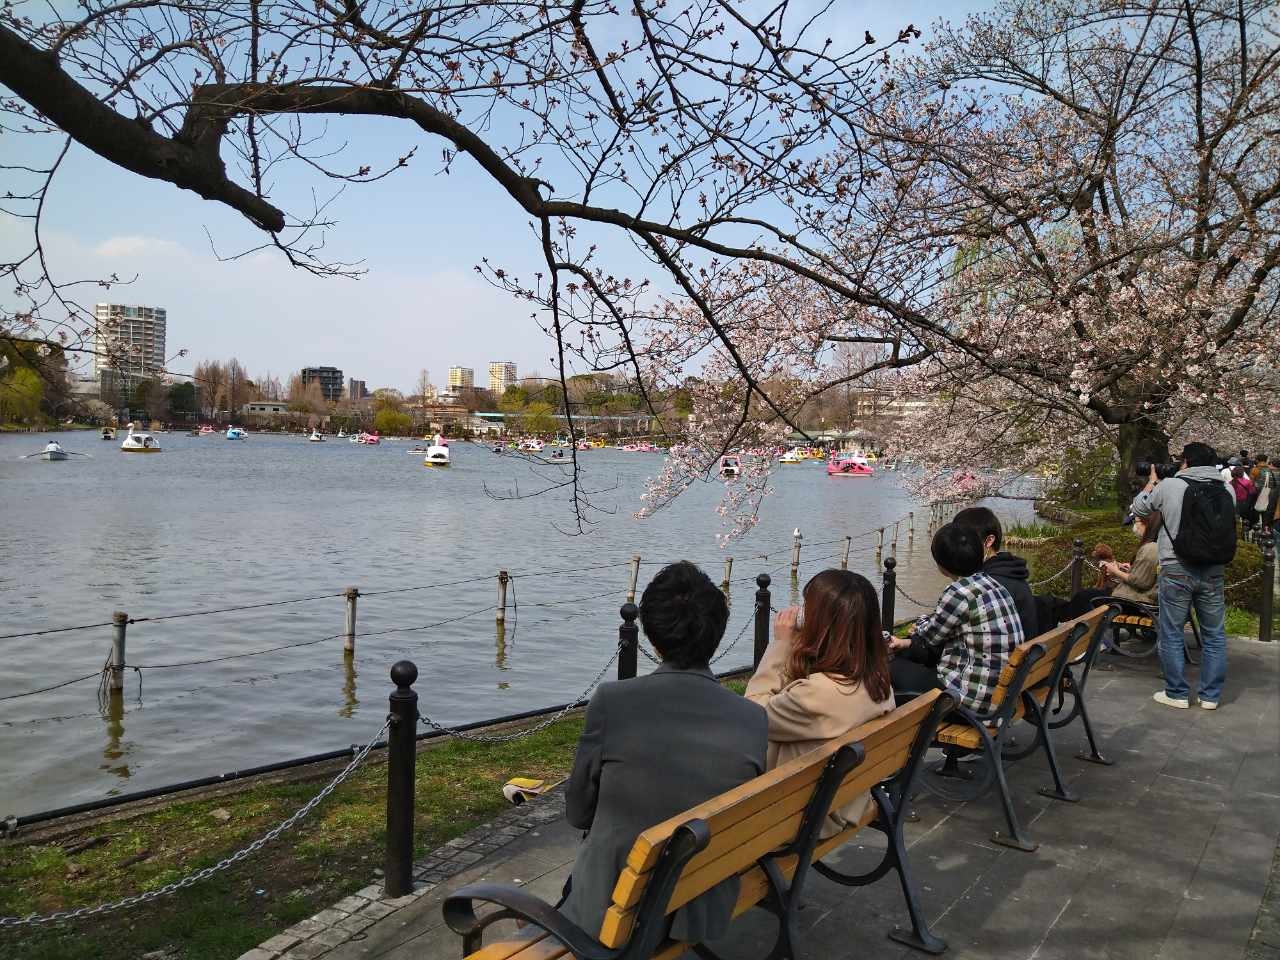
(1167, 498)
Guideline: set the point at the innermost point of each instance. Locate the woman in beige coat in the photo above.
(826, 671)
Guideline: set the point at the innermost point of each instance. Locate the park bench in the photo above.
(1080, 661)
(765, 832)
(1035, 672)
(1140, 620)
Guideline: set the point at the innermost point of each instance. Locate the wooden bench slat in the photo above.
(537, 946)
(693, 882)
(747, 799)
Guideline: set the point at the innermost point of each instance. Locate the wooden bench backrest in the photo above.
(1051, 641)
(761, 815)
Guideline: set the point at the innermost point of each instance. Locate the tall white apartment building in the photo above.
(129, 340)
(502, 374)
(461, 378)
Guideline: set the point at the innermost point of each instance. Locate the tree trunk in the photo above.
(1141, 440)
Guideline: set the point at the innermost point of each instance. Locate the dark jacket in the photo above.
(1011, 573)
(651, 748)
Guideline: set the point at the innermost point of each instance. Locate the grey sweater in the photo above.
(1167, 498)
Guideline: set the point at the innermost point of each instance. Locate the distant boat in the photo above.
(854, 466)
(108, 433)
(316, 437)
(369, 438)
(730, 466)
(533, 446)
(437, 456)
(792, 456)
(54, 451)
(136, 442)
(206, 431)
(237, 433)
(341, 433)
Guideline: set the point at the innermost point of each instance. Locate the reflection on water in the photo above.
(116, 750)
(349, 700)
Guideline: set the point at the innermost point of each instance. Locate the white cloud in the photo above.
(135, 246)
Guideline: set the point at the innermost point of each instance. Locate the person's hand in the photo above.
(1124, 567)
(784, 624)
(898, 644)
(1154, 477)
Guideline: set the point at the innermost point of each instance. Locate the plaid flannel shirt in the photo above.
(976, 626)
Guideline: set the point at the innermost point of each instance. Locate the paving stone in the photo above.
(468, 857)
(258, 953)
(280, 942)
(305, 928)
(398, 902)
(351, 904)
(371, 892)
(376, 910)
(355, 923)
(331, 916)
(331, 937)
(307, 950)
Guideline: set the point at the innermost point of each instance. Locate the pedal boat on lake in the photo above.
(136, 442)
(437, 456)
(848, 466)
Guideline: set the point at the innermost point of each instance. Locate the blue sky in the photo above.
(419, 234)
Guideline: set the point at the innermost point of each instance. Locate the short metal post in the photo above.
(635, 578)
(888, 586)
(763, 609)
(1266, 614)
(119, 623)
(401, 759)
(349, 637)
(628, 641)
(797, 536)
(728, 574)
(911, 527)
(1077, 565)
(503, 580)
(879, 544)
(844, 555)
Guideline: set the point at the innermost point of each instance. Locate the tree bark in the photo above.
(1137, 441)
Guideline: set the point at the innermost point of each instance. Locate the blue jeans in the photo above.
(1182, 588)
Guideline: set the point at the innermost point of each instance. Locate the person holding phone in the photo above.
(826, 671)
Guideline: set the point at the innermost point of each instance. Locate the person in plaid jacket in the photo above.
(963, 645)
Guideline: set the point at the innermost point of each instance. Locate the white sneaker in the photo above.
(1208, 704)
(1162, 697)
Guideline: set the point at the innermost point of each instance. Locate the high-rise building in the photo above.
(461, 378)
(356, 389)
(129, 340)
(502, 374)
(329, 378)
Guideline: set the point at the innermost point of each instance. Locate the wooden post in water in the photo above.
(844, 556)
(879, 544)
(728, 574)
(893, 547)
(119, 623)
(911, 528)
(635, 578)
(503, 580)
(349, 637)
(797, 536)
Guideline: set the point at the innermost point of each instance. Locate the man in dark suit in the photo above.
(655, 746)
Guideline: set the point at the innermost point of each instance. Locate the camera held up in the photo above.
(1163, 470)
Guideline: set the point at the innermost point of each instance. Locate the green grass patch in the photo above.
(329, 855)
(1030, 530)
(1241, 623)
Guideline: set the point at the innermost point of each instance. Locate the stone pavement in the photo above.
(1168, 855)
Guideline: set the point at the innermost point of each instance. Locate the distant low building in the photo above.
(86, 388)
(461, 378)
(265, 408)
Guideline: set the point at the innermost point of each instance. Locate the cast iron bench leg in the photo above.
(1060, 790)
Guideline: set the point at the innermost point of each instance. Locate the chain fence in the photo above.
(1053, 577)
(906, 596)
(60, 916)
(541, 725)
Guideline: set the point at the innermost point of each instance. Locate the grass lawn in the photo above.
(329, 855)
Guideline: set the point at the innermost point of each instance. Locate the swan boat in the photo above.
(135, 442)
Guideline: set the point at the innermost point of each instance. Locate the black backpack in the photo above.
(1207, 530)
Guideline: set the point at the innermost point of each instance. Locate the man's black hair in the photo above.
(1199, 455)
(957, 549)
(983, 522)
(684, 615)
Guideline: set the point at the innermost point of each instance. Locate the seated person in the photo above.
(964, 643)
(1133, 581)
(1007, 570)
(826, 671)
(654, 746)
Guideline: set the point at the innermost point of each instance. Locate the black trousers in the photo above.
(911, 679)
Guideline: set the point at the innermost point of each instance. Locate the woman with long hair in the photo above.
(1130, 581)
(826, 671)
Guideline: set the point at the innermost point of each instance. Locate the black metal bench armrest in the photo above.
(460, 915)
(1125, 605)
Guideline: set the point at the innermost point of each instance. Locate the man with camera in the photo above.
(1196, 542)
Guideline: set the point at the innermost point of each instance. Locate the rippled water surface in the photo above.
(211, 523)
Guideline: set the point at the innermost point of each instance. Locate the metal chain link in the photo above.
(1253, 576)
(528, 731)
(919, 603)
(191, 879)
(1041, 583)
(741, 633)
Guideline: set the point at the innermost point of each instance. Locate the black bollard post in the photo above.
(763, 605)
(1266, 614)
(401, 759)
(1077, 565)
(628, 641)
(888, 587)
